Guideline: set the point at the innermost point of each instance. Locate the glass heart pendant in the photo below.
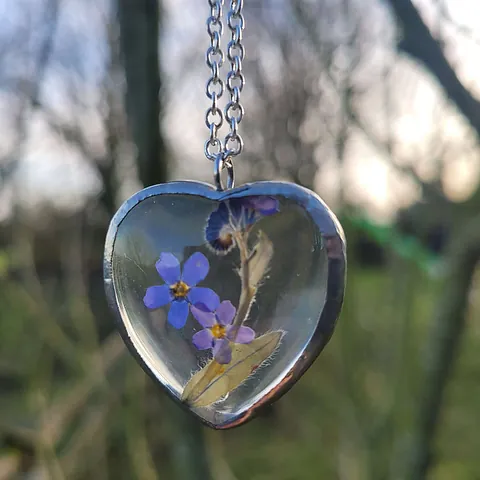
(225, 297)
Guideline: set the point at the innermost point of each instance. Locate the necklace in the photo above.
(225, 295)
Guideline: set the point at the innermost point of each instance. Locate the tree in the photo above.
(139, 26)
(464, 252)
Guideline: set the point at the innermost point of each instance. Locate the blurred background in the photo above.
(374, 104)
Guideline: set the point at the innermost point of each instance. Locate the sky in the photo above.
(50, 172)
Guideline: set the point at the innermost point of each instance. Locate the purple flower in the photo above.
(180, 288)
(263, 205)
(236, 215)
(218, 332)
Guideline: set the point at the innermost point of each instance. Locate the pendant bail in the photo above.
(223, 160)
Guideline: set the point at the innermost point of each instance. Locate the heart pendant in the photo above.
(225, 298)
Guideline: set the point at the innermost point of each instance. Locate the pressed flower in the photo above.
(262, 204)
(218, 332)
(236, 215)
(219, 232)
(180, 288)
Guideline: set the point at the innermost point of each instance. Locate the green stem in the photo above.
(188, 449)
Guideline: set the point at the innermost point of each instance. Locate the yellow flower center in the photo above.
(218, 331)
(225, 236)
(180, 289)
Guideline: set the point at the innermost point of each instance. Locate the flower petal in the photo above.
(177, 316)
(264, 205)
(168, 267)
(244, 335)
(204, 316)
(238, 212)
(204, 295)
(225, 312)
(219, 233)
(222, 351)
(203, 339)
(217, 219)
(157, 296)
(195, 269)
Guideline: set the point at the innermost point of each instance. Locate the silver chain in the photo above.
(216, 150)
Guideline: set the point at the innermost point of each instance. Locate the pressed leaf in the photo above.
(258, 264)
(214, 381)
(201, 379)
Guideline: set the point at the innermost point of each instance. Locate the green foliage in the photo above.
(77, 407)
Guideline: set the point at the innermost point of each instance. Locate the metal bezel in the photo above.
(331, 232)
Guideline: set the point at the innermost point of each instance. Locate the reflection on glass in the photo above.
(219, 298)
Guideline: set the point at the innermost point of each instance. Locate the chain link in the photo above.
(215, 86)
(234, 83)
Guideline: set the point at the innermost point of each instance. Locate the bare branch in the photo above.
(34, 84)
(418, 42)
